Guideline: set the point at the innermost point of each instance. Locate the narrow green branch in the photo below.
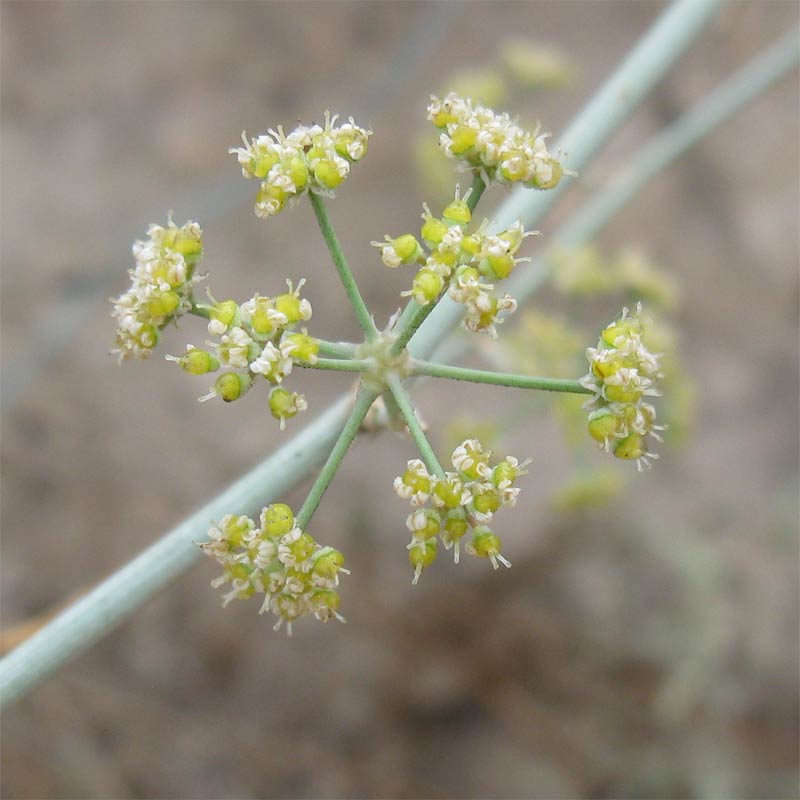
(336, 349)
(200, 310)
(342, 267)
(497, 378)
(364, 400)
(478, 188)
(405, 405)
(337, 364)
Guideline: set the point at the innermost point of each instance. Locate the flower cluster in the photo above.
(310, 157)
(460, 500)
(494, 144)
(255, 339)
(297, 576)
(469, 264)
(622, 372)
(161, 287)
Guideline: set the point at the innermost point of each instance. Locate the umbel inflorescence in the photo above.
(263, 338)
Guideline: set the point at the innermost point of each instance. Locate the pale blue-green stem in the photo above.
(104, 607)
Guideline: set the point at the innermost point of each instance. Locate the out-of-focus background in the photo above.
(645, 642)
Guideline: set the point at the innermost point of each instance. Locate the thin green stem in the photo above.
(497, 378)
(415, 314)
(405, 405)
(364, 400)
(336, 349)
(478, 188)
(200, 310)
(342, 267)
(338, 364)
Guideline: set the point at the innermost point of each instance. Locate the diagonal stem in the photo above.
(364, 401)
(497, 378)
(405, 405)
(342, 267)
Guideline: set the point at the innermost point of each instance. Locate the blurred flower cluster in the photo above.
(553, 343)
(518, 70)
(622, 373)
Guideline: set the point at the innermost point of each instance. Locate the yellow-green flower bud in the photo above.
(263, 318)
(471, 245)
(261, 165)
(449, 492)
(487, 503)
(407, 248)
(298, 172)
(302, 547)
(328, 174)
(188, 242)
(433, 230)
(327, 562)
(163, 304)
(234, 528)
(602, 425)
(454, 529)
(416, 482)
(556, 173)
(325, 600)
(270, 199)
(624, 327)
(277, 519)
(462, 139)
(232, 385)
(444, 116)
(225, 314)
(303, 347)
(427, 286)
(631, 447)
(421, 555)
(505, 473)
(620, 393)
(292, 306)
(284, 404)
(424, 523)
(457, 213)
(514, 166)
(196, 362)
(501, 266)
(350, 141)
(485, 544)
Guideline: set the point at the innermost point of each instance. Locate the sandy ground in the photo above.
(644, 650)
